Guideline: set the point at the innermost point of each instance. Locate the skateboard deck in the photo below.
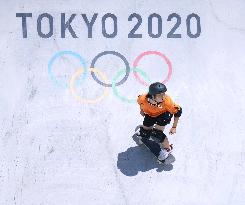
(154, 147)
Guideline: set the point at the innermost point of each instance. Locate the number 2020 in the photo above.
(172, 33)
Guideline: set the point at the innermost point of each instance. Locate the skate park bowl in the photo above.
(71, 72)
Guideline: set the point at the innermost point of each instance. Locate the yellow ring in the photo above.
(76, 96)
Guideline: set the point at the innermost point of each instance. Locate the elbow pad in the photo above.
(178, 114)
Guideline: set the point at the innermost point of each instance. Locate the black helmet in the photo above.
(157, 88)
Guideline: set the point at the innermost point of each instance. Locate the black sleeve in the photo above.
(178, 114)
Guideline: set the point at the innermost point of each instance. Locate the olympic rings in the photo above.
(51, 61)
(83, 70)
(116, 54)
(118, 74)
(136, 61)
(76, 96)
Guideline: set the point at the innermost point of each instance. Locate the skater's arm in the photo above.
(176, 119)
(173, 128)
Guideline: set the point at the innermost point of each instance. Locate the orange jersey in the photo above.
(153, 110)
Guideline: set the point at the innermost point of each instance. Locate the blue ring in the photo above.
(58, 54)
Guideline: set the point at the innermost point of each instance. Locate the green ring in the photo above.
(121, 73)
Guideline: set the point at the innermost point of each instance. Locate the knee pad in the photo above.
(145, 133)
(179, 113)
(158, 134)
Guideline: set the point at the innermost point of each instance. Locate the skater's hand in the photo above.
(172, 131)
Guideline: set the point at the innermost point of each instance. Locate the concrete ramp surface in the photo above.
(70, 75)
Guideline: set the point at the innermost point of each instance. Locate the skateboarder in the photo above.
(158, 108)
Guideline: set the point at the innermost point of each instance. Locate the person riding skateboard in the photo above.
(158, 108)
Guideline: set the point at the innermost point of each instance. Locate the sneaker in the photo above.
(163, 154)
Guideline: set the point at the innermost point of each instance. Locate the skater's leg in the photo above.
(165, 142)
(162, 121)
(148, 124)
(162, 137)
(159, 127)
(144, 132)
(157, 132)
(166, 147)
(147, 128)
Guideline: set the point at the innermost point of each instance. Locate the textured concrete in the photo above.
(55, 150)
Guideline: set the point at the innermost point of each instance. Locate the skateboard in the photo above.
(155, 148)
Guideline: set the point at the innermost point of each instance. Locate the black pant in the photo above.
(161, 120)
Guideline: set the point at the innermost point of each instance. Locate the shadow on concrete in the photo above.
(140, 159)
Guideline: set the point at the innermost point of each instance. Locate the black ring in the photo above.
(118, 55)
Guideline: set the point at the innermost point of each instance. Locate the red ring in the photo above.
(136, 61)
